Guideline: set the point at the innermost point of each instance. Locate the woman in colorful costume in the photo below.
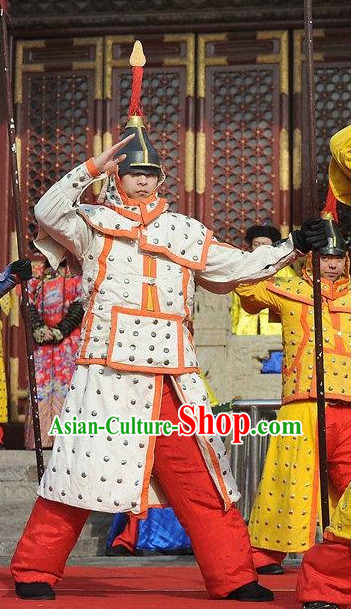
(140, 263)
(56, 314)
(284, 514)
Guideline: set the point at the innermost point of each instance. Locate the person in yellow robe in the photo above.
(284, 515)
(324, 577)
(248, 324)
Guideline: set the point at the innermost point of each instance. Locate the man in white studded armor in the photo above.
(140, 263)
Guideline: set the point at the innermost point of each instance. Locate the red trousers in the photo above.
(219, 538)
(325, 574)
(129, 536)
(338, 425)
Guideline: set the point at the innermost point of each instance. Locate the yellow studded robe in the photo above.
(250, 324)
(284, 514)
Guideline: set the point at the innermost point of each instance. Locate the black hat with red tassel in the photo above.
(141, 155)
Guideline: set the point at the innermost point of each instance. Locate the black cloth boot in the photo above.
(272, 569)
(35, 591)
(253, 592)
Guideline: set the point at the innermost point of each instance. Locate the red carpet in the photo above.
(143, 588)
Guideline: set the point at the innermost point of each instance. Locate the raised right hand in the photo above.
(105, 162)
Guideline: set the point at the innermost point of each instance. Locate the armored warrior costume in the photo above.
(140, 263)
(284, 515)
(324, 578)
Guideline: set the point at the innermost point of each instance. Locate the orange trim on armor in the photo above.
(290, 295)
(85, 361)
(89, 317)
(153, 288)
(91, 168)
(215, 242)
(145, 286)
(338, 340)
(335, 308)
(185, 284)
(156, 408)
(180, 369)
(302, 346)
(144, 217)
(131, 234)
(130, 368)
(160, 249)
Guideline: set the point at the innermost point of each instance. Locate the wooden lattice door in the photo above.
(242, 152)
(333, 110)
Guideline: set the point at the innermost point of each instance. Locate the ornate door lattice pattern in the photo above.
(242, 139)
(58, 92)
(333, 105)
(57, 134)
(243, 158)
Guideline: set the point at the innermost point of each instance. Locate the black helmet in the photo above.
(336, 243)
(141, 155)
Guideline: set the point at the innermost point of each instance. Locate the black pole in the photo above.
(20, 240)
(317, 295)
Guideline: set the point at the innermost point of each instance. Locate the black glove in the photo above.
(312, 234)
(22, 268)
(72, 319)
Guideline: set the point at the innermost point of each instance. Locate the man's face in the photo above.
(257, 241)
(139, 185)
(332, 267)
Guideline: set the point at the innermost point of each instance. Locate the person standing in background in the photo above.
(56, 313)
(249, 324)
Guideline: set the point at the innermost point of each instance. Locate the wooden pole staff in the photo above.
(315, 208)
(20, 235)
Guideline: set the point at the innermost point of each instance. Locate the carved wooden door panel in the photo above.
(242, 151)
(58, 97)
(332, 55)
(168, 104)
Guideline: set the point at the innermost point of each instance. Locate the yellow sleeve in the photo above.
(6, 303)
(234, 311)
(255, 297)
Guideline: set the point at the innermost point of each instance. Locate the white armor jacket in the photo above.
(140, 264)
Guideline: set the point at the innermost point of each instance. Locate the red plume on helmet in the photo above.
(141, 155)
(329, 210)
(137, 61)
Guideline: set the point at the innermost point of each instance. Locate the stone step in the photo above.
(22, 458)
(97, 525)
(18, 491)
